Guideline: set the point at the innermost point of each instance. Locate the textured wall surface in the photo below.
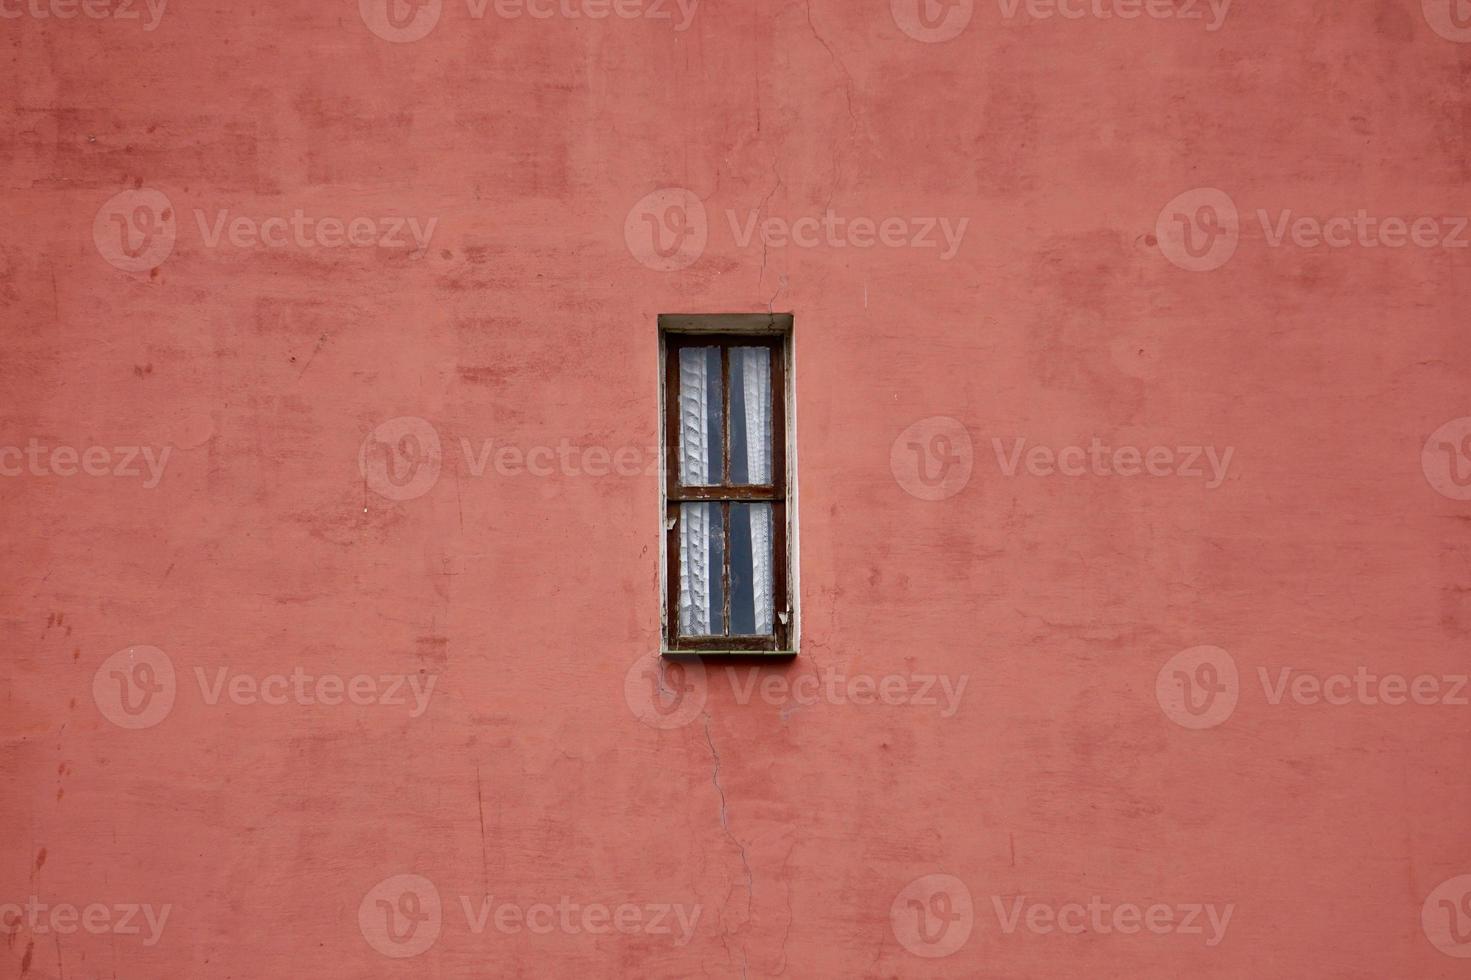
(1132, 397)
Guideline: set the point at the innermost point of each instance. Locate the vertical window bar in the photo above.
(671, 538)
(725, 413)
(725, 478)
(671, 481)
(778, 420)
(671, 417)
(779, 601)
(725, 556)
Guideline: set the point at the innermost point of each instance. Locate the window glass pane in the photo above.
(700, 450)
(701, 569)
(750, 415)
(751, 583)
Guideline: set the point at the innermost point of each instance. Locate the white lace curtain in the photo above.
(698, 601)
(756, 383)
(700, 594)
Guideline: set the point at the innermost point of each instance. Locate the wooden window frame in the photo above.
(772, 333)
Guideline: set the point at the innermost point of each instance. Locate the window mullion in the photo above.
(674, 570)
(725, 413)
(725, 575)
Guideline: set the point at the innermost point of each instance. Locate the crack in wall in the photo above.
(725, 826)
(847, 94)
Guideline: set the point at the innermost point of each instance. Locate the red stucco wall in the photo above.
(1039, 725)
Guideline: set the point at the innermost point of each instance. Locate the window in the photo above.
(728, 515)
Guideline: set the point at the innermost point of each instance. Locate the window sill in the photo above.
(680, 654)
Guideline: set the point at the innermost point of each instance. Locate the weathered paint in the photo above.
(795, 821)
